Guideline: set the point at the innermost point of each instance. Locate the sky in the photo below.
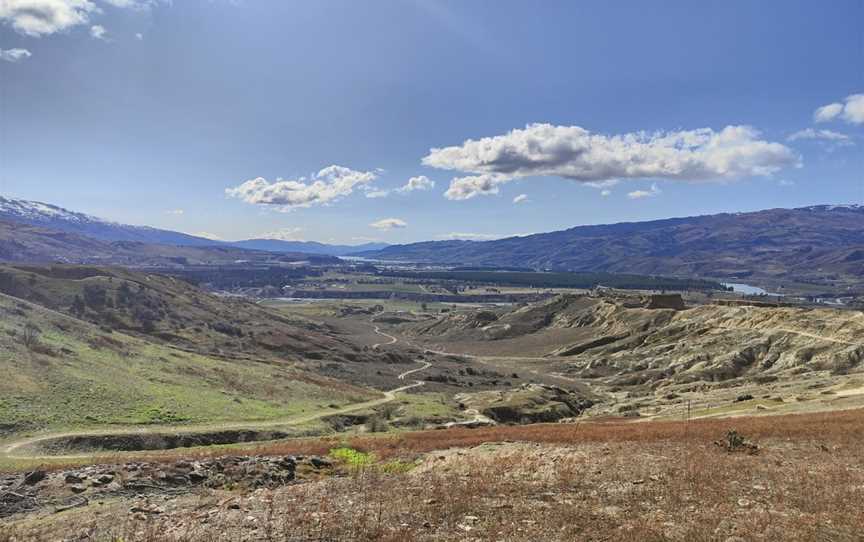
(406, 120)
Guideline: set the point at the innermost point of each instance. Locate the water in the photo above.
(746, 289)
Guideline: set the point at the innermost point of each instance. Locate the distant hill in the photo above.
(822, 244)
(52, 217)
(26, 243)
(310, 247)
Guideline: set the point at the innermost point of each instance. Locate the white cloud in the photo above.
(786, 182)
(521, 198)
(175, 212)
(851, 110)
(854, 110)
(420, 182)
(44, 17)
(97, 31)
(139, 36)
(574, 153)
(284, 234)
(827, 112)
(386, 224)
(605, 192)
(641, 194)
(41, 17)
(827, 135)
(323, 188)
(14, 55)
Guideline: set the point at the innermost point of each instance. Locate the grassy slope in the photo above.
(80, 375)
(177, 313)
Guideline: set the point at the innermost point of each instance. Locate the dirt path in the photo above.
(392, 339)
(793, 332)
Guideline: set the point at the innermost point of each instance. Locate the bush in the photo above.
(376, 424)
(353, 458)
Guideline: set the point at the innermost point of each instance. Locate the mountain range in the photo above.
(52, 217)
(822, 244)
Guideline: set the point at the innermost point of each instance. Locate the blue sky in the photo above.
(227, 117)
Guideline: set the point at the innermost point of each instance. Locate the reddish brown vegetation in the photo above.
(612, 481)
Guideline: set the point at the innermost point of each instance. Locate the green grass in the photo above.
(354, 459)
(427, 405)
(357, 461)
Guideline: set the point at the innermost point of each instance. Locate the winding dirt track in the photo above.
(17, 449)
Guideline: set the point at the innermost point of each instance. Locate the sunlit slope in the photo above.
(77, 374)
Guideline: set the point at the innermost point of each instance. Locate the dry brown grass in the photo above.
(608, 481)
(840, 428)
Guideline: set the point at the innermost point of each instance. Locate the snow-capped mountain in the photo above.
(57, 218)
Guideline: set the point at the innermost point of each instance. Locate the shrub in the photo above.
(353, 458)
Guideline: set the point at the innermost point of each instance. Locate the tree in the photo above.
(95, 296)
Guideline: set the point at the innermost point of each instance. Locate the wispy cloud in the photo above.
(420, 182)
(521, 198)
(642, 194)
(573, 153)
(175, 212)
(97, 31)
(824, 135)
(14, 55)
(387, 224)
(207, 235)
(470, 236)
(284, 234)
(323, 188)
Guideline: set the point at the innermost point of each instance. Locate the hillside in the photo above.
(25, 243)
(619, 342)
(172, 311)
(821, 244)
(71, 373)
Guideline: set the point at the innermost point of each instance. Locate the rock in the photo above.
(147, 509)
(320, 463)
(34, 477)
(78, 489)
(103, 480)
(197, 476)
(72, 478)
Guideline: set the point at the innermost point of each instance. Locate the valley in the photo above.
(147, 380)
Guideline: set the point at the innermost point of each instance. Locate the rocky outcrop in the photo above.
(60, 490)
(529, 403)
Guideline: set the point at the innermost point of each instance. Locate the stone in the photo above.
(34, 477)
